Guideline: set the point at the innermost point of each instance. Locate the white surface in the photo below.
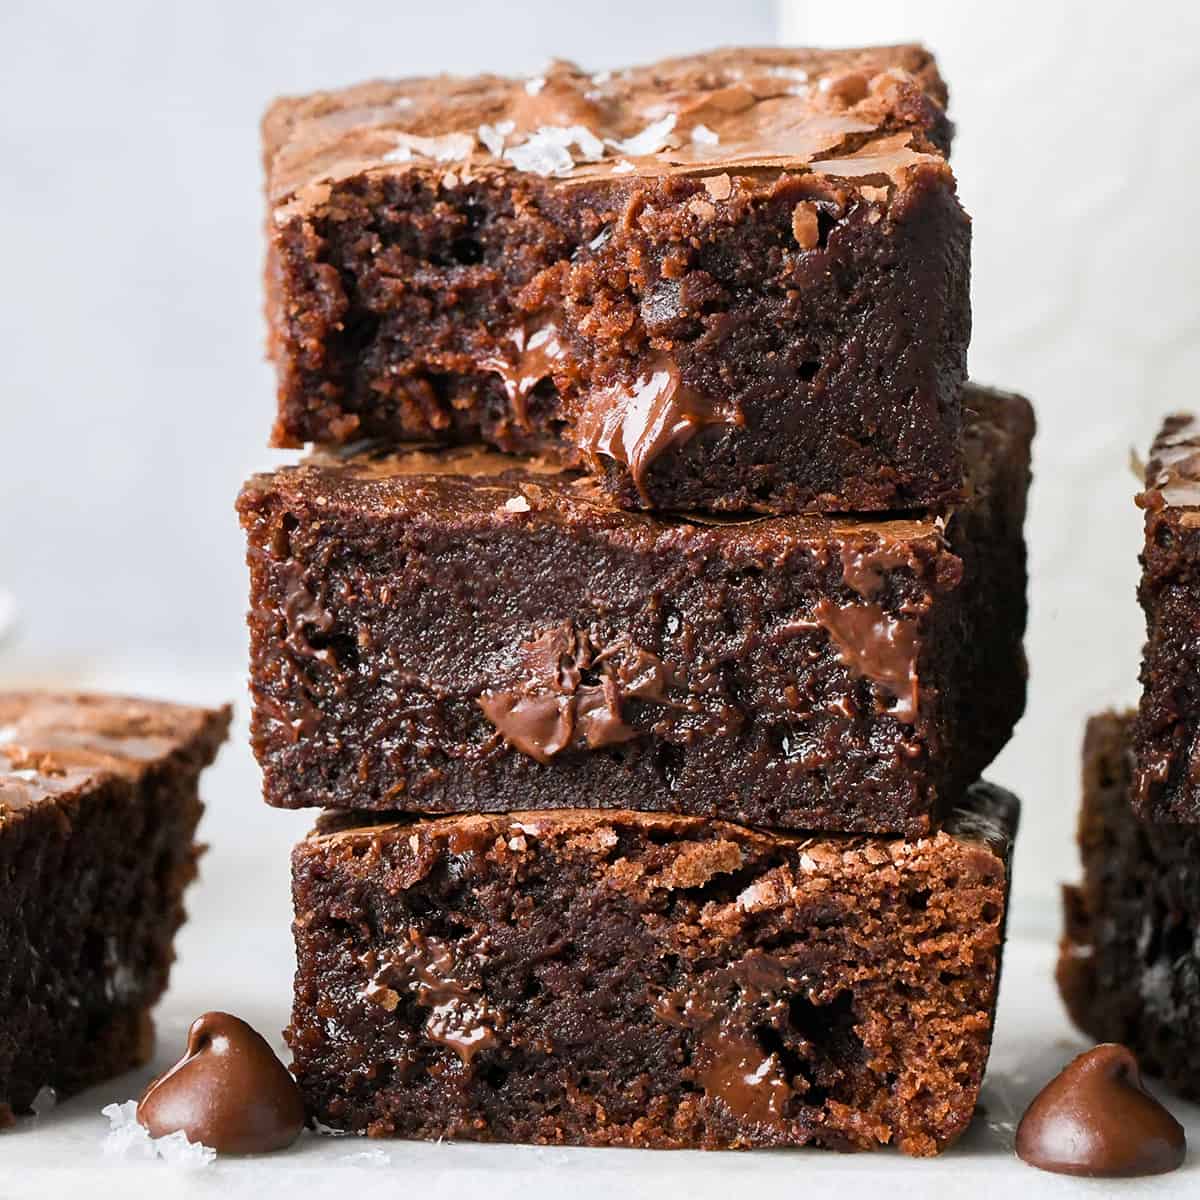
(235, 954)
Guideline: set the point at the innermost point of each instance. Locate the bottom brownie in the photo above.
(98, 808)
(1130, 965)
(636, 979)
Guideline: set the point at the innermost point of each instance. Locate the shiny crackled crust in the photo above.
(632, 979)
(799, 288)
(1129, 970)
(98, 811)
(1166, 736)
(496, 634)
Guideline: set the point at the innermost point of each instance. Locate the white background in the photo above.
(134, 398)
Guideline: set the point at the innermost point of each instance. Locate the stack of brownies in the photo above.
(1130, 965)
(648, 609)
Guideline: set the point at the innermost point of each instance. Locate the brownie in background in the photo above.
(460, 631)
(1129, 970)
(633, 979)
(1166, 735)
(737, 281)
(98, 808)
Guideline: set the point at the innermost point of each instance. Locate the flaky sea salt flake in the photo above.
(128, 1138)
(534, 86)
(703, 136)
(649, 141)
(623, 167)
(493, 136)
(448, 147)
(547, 151)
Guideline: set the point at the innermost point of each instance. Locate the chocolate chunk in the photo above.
(1096, 1119)
(634, 424)
(228, 1091)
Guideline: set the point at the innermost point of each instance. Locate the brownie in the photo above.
(737, 281)
(634, 979)
(98, 808)
(1166, 734)
(1130, 967)
(462, 631)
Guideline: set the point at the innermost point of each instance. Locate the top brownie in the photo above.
(1166, 733)
(733, 281)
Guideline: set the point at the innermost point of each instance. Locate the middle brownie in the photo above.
(464, 632)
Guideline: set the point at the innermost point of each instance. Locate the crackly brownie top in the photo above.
(987, 817)
(864, 115)
(53, 744)
(1172, 475)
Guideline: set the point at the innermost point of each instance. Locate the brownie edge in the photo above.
(1129, 968)
(1166, 732)
(634, 979)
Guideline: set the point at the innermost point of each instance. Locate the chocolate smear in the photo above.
(730, 1062)
(636, 423)
(1096, 1119)
(537, 352)
(879, 647)
(424, 967)
(228, 1091)
(553, 708)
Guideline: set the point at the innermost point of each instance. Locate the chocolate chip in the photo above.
(1096, 1119)
(228, 1091)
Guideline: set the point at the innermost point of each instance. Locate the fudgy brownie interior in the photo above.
(1129, 970)
(648, 980)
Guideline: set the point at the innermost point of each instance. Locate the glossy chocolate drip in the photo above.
(730, 1062)
(538, 351)
(229, 1091)
(1095, 1119)
(424, 967)
(556, 707)
(879, 647)
(541, 724)
(634, 424)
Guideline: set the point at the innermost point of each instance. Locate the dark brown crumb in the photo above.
(628, 979)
